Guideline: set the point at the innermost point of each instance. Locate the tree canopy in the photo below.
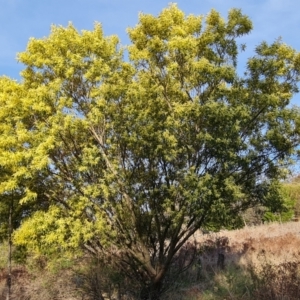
(137, 155)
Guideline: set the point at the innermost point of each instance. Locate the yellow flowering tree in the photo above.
(133, 157)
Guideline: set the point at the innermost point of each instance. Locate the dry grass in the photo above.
(261, 262)
(46, 286)
(3, 255)
(278, 243)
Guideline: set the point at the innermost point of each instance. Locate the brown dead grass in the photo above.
(40, 285)
(270, 244)
(276, 243)
(21, 280)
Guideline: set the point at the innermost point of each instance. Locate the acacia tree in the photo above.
(137, 156)
(18, 182)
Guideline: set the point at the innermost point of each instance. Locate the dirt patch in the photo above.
(43, 285)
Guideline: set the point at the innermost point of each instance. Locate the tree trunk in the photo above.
(151, 292)
(8, 296)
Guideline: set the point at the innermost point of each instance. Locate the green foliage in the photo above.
(134, 157)
(293, 190)
(233, 283)
(19, 255)
(283, 212)
(290, 203)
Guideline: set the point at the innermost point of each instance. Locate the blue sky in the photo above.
(22, 19)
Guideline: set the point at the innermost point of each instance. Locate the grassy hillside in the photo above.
(261, 262)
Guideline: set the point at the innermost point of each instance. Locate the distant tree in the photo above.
(288, 207)
(292, 193)
(134, 157)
